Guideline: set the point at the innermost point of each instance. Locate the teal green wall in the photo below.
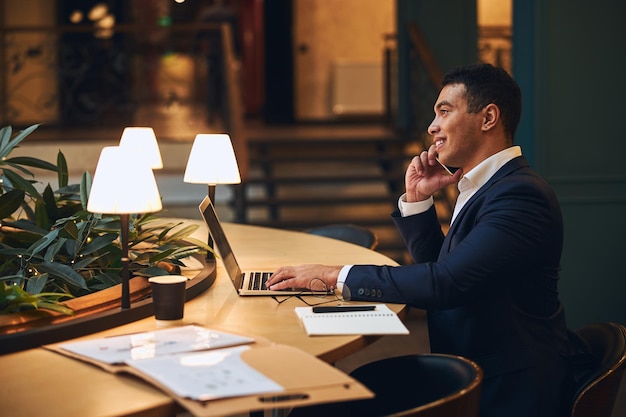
(570, 57)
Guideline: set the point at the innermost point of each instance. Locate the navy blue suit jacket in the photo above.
(490, 290)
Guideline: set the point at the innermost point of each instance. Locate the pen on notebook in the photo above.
(342, 309)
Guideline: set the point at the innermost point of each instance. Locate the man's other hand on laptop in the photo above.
(313, 277)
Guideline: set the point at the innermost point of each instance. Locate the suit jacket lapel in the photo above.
(507, 169)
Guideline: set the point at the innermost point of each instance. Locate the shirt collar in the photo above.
(481, 173)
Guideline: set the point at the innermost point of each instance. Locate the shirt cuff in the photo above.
(409, 209)
(343, 274)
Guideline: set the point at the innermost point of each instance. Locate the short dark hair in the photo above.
(485, 84)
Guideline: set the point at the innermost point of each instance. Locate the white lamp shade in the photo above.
(142, 143)
(123, 184)
(212, 161)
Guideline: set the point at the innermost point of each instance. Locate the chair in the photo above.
(424, 385)
(358, 235)
(597, 392)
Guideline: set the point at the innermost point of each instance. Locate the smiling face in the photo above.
(458, 135)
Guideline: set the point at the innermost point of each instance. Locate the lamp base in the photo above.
(210, 255)
(124, 225)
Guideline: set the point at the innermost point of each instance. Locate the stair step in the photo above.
(312, 158)
(319, 201)
(328, 178)
(304, 223)
(335, 135)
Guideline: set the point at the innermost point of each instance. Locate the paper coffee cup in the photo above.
(168, 296)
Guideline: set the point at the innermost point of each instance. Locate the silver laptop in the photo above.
(246, 282)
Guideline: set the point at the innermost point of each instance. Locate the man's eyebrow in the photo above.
(442, 103)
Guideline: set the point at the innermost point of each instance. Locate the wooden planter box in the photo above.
(92, 313)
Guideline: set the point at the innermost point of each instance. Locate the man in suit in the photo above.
(490, 285)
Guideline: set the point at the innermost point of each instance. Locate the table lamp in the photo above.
(123, 184)
(212, 161)
(142, 142)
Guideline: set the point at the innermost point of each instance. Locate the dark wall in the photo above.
(449, 28)
(570, 56)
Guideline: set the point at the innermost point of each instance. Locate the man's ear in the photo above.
(491, 116)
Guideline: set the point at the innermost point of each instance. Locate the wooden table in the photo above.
(39, 382)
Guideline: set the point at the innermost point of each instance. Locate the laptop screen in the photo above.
(219, 238)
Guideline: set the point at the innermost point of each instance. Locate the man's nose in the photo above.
(433, 128)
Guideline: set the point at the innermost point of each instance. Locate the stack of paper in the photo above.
(146, 345)
(192, 361)
(212, 373)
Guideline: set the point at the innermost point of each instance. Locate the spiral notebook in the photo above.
(381, 321)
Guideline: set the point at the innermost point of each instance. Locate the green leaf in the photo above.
(42, 216)
(43, 243)
(98, 243)
(179, 253)
(161, 255)
(7, 145)
(54, 249)
(27, 226)
(31, 162)
(49, 204)
(10, 201)
(20, 183)
(84, 223)
(85, 188)
(36, 284)
(20, 240)
(71, 247)
(65, 273)
(20, 168)
(29, 214)
(70, 191)
(5, 136)
(62, 170)
(182, 233)
(23, 133)
(108, 279)
(61, 221)
(85, 262)
(14, 299)
(9, 278)
(199, 243)
(59, 308)
(69, 231)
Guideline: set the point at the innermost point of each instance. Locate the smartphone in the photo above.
(444, 167)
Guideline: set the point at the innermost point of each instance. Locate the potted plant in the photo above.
(53, 250)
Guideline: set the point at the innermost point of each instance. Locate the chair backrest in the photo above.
(597, 392)
(425, 385)
(352, 233)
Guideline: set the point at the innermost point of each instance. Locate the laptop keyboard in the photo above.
(258, 280)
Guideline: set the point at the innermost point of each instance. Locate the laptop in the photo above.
(250, 282)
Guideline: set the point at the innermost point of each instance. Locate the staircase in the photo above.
(309, 176)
